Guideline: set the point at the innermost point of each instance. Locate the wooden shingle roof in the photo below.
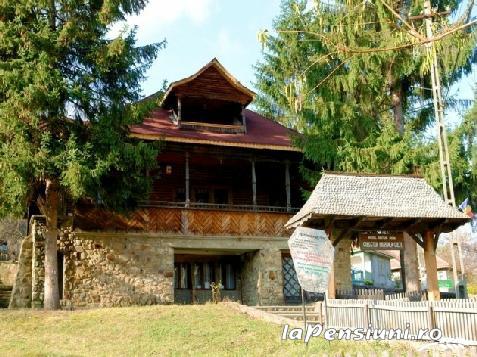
(403, 198)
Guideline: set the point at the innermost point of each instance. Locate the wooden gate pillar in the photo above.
(431, 266)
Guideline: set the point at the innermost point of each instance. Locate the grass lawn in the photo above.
(157, 330)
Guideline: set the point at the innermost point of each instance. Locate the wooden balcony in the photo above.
(192, 219)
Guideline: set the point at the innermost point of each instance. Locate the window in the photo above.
(201, 275)
(228, 276)
(182, 273)
(208, 275)
(197, 276)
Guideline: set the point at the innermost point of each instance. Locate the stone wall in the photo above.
(342, 265)
(38, 260)
(8, 273)
(411, 264)
(12, 232)
(116, 271)
(262, 278)
(21, 293)
(122, 269)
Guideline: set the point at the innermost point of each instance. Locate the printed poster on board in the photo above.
(312, 254)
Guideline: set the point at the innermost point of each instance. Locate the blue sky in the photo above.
(199, 30)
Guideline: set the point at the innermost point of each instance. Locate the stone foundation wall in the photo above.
(262, 278)
(122, 269)
(8, 273)
(116, 271)
(21, 293)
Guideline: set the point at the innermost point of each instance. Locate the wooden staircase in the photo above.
(313, 316)
(5, 293)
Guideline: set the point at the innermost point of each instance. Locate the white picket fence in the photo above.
(457, 319)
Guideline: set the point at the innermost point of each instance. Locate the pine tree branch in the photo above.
(328, 76)
(407, 45)
(411, 28)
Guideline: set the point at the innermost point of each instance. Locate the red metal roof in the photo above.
(262, 133)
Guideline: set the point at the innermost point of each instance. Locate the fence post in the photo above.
(366, 315)
(430, 313)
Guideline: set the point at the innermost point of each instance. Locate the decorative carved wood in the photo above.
(184, 221)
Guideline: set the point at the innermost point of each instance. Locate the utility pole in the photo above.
(446, 171)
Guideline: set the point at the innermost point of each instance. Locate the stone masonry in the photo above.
(411, 265)
(122, 269)
(342, 265)
(38, 261)
(116, 271)
(21, 293)
(262, 274)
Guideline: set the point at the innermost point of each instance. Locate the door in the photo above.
(291, 286)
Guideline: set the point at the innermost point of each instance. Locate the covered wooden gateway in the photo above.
(346, 204)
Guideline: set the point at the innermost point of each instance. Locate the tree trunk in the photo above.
(396, 98)
(52, 298)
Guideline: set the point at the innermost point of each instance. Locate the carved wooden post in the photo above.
(179, 109)
(402, 272)
(187, 180)
(254, 184)
(331, 284)
(431, 266)
(287, 184)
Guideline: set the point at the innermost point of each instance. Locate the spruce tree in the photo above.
(67, 94)
(354, 79)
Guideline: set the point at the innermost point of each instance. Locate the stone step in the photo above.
(284, 308)
(298, 315)
(5, 298)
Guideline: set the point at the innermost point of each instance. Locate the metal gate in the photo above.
(291, 287)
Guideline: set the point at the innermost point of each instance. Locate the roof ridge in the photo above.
(370, 174)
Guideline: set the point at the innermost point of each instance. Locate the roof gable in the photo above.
(211, 81)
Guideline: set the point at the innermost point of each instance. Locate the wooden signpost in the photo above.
(381, 240)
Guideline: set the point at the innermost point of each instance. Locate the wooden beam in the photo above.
(329, 227)
(415, 223)
(287, 184)
(431, 266)
(384, 222)
(345, 231)
(417, 240)
(254, 184)
(179, 109)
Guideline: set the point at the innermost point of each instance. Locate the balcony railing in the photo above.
(196, 219)
(218, 206)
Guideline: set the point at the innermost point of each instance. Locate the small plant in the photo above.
(216, 291)
(368, 282)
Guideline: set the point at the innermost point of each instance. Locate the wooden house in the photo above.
(227, 182)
